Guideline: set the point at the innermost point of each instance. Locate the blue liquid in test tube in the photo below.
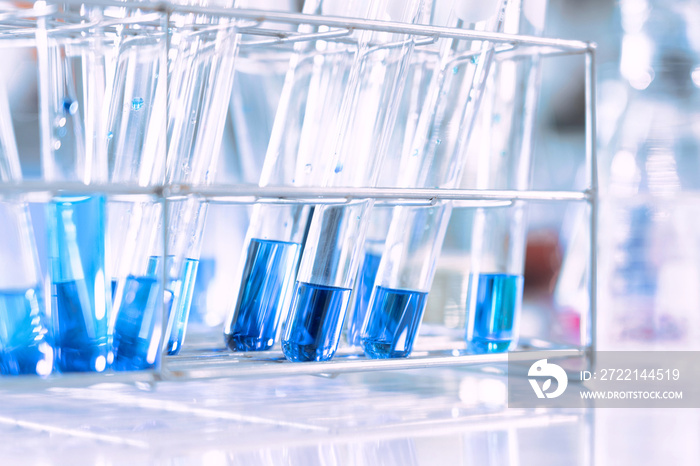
(23, 340)
(138, 323)
(269, 273)
(496, 311)
(313, 329)
(182, 291)
(80, 296)
(368, 273)
(393, 323)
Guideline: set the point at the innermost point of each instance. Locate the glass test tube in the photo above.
(25, 346)
(136, 152)
(336, 235)
(436, 158)
(501, 159)
(423, 64)
(310, 102)
(202, 53)
(72, 90)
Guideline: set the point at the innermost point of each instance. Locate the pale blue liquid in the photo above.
(268, 276)
(138, 317)
(393, 322)
(80, 292)
(182, 291)
(24, 343)
(364, 291)
(496, 312)
(315, 322)
(138, 323)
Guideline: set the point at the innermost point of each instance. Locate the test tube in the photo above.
(25, 346)
(310, 102)
(359, 141)
(204, 68)
(501, 159)
(436, 159)
(72, 90)
(202, 52)
(135, 146)
(423, 64)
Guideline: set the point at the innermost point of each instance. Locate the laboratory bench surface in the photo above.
(418, 417)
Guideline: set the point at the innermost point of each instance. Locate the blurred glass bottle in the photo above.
(650, 218)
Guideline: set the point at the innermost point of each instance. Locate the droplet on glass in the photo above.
(307, 168)
(136, 103)
(339, 168)
(110, 135)
(70, 106)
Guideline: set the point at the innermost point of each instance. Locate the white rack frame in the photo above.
(228, 364)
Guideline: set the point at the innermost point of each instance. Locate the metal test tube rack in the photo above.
(226, 364)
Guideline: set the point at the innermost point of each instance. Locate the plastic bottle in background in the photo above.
(649, 250)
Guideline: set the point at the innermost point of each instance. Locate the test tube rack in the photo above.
(217, 364)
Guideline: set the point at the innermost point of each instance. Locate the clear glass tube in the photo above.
(424, 62)
(311, 100)
(135, 146)
(435, 158)
(501, 159)
(25, 345)
(358, 142)
(72, 90)
(201, 58)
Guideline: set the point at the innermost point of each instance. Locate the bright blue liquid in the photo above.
(393, 323)
(315, 322)
(80, 292)
(364, 292)
(24, 348)
(182, 291)
(138, 324)
(268, 276)
(496, 312)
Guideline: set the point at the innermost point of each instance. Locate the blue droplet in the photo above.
(110, 135)
(475, 59)
(455, 70)
(136, 103)
(62, 131)
(438, 142)
(497, 118)
(70, 106)
(415, 152)
(339, 168)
